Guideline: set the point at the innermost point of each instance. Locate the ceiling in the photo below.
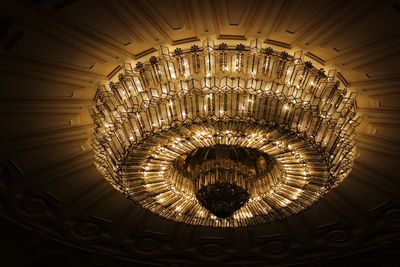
(56, 208)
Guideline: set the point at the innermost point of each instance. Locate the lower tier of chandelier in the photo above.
(299, 175)
(224, 175)
(222, 199)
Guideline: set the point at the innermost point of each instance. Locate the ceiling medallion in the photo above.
(224, 136)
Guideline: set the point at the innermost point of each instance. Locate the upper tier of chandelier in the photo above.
(157, 125)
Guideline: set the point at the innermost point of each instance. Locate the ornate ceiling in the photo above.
(54, 205)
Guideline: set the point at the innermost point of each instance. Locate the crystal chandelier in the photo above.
(223, 135)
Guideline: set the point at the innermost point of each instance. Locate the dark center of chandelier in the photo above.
(223, 174)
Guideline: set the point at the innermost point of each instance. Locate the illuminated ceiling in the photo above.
(55, 53)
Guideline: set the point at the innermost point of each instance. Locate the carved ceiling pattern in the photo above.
(53, 53)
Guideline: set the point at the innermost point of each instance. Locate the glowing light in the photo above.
(144, 137)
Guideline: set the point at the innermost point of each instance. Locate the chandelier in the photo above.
(223, 135)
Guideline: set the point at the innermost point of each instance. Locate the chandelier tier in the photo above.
(224, 136)
(223, 175)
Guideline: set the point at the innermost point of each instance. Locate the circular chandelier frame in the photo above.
(244, 96)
